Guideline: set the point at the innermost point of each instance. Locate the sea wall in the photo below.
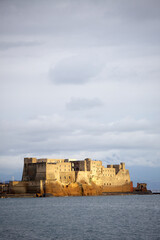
(127, 187)
(57, 188)
(83, 189)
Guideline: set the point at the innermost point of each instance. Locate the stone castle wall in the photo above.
(25, 187)
(39, 175)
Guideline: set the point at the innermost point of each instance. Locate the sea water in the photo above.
(89, 218)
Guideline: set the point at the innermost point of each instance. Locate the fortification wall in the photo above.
(58, 189)
(83, 176)
(50, 160)
(52, 172)
(64, 166)
(67, 177)
(109, 178)
(40, 171)
(29, 172)
(127, 187)
(78, 165)
(72, 189)
(122, 177)
(71, 177)
(108, 172)
(30, 160)
(95, 167)
(25, 187)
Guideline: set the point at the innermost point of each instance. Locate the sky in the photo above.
(80, 79)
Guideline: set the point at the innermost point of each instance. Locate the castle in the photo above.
(71, 177)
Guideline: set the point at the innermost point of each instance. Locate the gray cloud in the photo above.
(54, 133)
(16, 44)
(78, 69)
(91, 90)
(77, 104)
(89, 23)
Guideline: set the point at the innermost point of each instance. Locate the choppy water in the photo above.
(89, 218)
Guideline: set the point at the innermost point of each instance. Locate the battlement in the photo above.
(30, 160)
(117, 167)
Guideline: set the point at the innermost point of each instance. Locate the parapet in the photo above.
(88, 159)
(122, 165)
(50, 160)
(118, 167)
(30, 160)
(41, 160)
(110, 166)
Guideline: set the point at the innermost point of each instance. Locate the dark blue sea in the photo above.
(89, 218)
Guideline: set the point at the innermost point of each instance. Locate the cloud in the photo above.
(5, 45)
(102, 96)
(90, 23)
(129, 124)
(77, 69)
(133, 70)
(76, 104)
(128, 140)
(55, 134)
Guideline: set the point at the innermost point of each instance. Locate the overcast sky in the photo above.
(80, 79)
